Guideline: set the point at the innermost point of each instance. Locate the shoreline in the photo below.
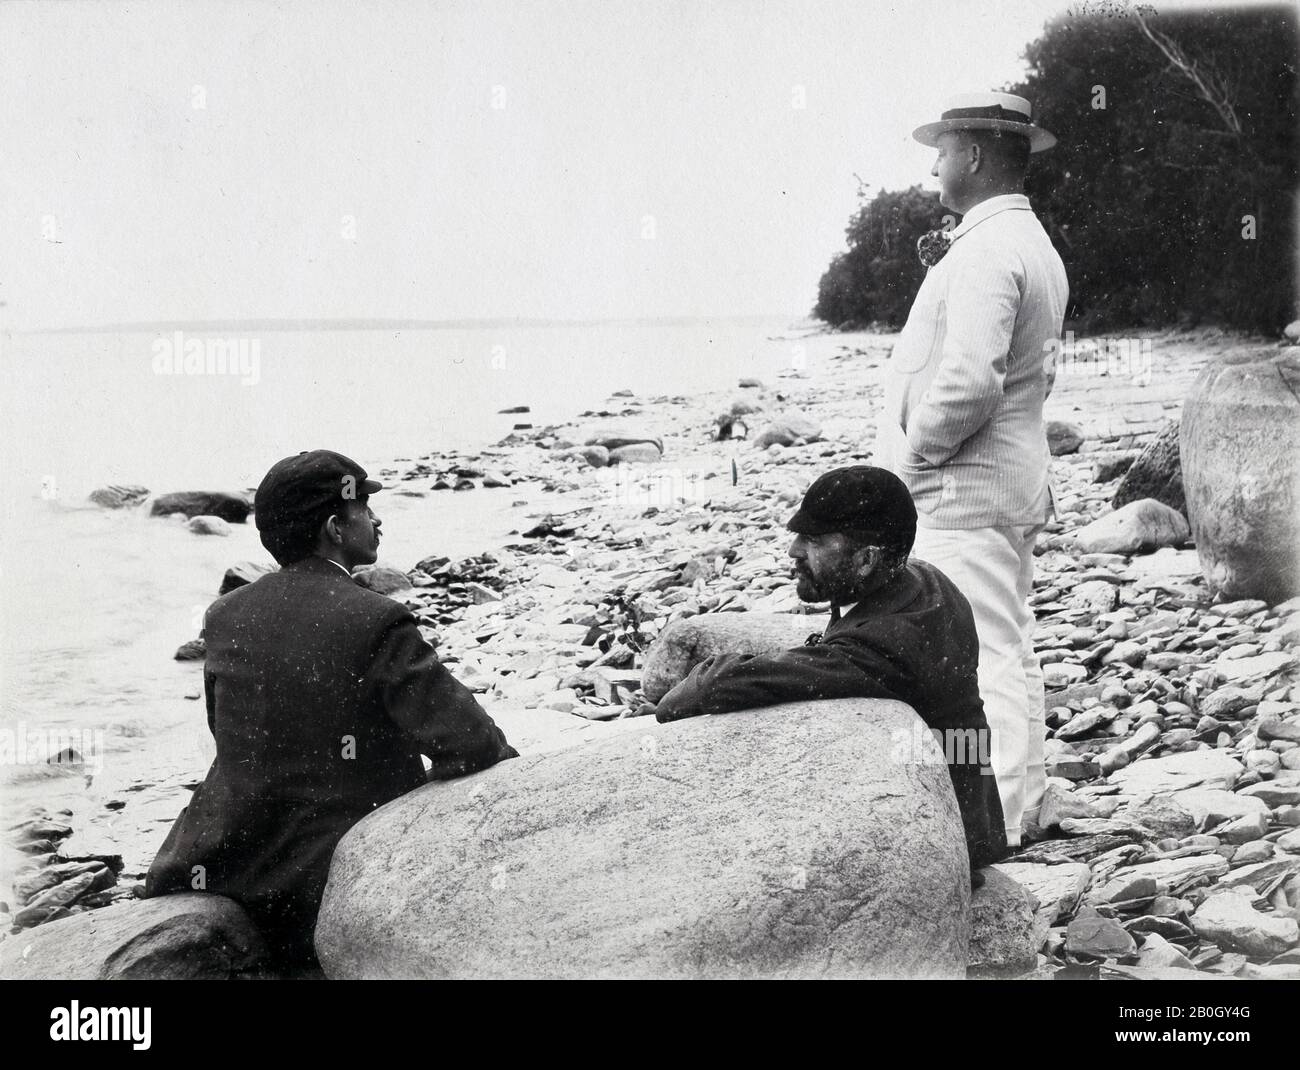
(701, 529)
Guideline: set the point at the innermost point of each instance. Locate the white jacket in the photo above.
(962, 423)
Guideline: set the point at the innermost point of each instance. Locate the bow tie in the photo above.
(932, 245)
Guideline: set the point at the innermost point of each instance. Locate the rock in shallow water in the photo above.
(119, 497)
(232, 508)
(769, 843)
(208, 525)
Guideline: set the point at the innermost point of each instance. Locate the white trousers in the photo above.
(994, 569)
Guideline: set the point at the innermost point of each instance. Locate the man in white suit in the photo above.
(962, 423)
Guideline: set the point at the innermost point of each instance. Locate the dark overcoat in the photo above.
(321, 697)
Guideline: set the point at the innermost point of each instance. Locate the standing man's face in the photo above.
(358, 530)
(952, 169)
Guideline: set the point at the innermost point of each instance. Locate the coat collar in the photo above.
(985, 209)
(318, 566)
(884, 602)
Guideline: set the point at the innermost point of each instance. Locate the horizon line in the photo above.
(371, 324)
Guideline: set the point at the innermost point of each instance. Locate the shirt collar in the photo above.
(987, 208)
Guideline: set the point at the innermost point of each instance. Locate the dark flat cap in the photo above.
(859, 498)
(306, 485)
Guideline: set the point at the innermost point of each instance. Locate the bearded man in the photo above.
(899, 630)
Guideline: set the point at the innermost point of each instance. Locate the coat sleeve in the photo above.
(983, 299)
(834, 669)
(426, 701)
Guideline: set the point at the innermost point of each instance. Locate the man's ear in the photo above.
(866, 559)
(331, 529)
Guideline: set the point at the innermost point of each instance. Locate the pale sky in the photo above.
(387, 158)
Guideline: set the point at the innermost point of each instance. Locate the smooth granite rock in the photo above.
(779, 842)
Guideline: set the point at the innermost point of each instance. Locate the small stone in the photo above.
(1251, 854)
(1072, 767)
(1271, 727)
(1060, 804)
(1081, 724)
(1063, 438)
(1098, 938)
(1273, 793)
(208, 525)
(1056, 887)
(1126, 653)
(1214, 806)
(1164, 816)
(1228, 920)
(1266, 762)
(1211, 768)
(194, 650)
(1157, 951)
(1062, 674)
(1242, 608)
(1243, 829)
(1141, 525)
(1226, 701)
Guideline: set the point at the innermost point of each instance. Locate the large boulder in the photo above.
(686, 643)
(781, 842)
(1241, 467)
(119, 496)
(1156, 473)
(1139, 526)
(232, 508)
(194, 936)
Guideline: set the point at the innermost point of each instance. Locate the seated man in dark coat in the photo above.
(321, 696)
(899, 630)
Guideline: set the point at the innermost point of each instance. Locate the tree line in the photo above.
(1171, 194)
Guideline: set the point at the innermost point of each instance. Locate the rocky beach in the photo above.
(1169, 840)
